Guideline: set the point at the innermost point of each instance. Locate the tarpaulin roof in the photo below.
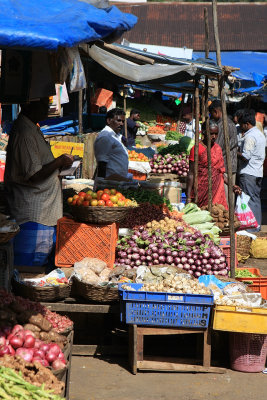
(48, 24)
(118, 69)
(253, 65)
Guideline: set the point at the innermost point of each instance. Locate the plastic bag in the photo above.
(243, 212)
(77, 78)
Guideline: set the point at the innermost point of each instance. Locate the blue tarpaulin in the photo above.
(48, 24)
(253, 65)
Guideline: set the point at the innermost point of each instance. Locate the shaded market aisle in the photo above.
(95, 379)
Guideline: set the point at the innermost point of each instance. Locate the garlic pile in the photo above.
(174, 284)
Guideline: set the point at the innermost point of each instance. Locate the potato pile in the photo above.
(165, 225)
(221, 216)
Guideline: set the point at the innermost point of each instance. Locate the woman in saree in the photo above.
(217, 170)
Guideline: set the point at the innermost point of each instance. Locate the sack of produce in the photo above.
(259, 248)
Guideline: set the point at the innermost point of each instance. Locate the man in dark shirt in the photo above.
(215, 110)
(132, 127)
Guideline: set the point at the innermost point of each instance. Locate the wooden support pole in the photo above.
(196, 102)
(226, 142)
(80, 112)
(206, 21)
(125, 109)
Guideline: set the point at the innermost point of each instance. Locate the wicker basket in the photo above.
(36, 293)
(243, 244)
(7, 236)
(100, 215)
(94, 293)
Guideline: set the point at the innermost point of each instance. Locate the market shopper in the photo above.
(110, 153)
(215, 109)
(217, 169)
(187, 117)
(132, 127)
(33, 187)
(251, 157)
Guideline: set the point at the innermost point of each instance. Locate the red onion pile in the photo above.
(193, 252)
(170, 164)
(21, 342)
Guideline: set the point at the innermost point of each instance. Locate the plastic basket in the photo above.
(225, 247)
(248, 352)
(164, 309)
(76, 241)
(139, 176)
(240, 319)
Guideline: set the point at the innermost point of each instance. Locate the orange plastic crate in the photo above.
(139, 176)
(225, 247)
(76, 240)
(258, 285)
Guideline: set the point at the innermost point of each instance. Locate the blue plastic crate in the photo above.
(164, 309)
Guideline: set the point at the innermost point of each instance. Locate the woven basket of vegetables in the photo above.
(100, 215)
(40, 293)
(99, 294)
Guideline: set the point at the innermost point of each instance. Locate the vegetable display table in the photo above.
(138, 361)
(71, 305)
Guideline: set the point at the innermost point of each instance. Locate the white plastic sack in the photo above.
(140, 166)
(243, 212)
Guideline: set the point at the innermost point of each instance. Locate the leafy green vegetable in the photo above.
(244, 273)
(186, 144)
(146, 196)
(173, 135)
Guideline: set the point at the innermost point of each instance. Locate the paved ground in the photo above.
(95, 379)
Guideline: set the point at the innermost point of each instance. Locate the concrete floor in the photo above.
(96, 379)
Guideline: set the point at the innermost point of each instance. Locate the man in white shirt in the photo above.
(110, 153)
(190, 128)
(251, 157)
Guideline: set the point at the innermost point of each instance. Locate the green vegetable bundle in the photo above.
(146, 196)
(173, 135)
(244, 273)
(13, 386)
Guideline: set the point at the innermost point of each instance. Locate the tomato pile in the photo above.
(134, 156)
(101, 198)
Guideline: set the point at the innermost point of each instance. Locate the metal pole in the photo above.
(206, 21)
(226, 142)
(196, 140)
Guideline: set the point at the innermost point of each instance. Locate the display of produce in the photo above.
(221, 216)
(186, 248)
(142, 215)
(244, 273)
(146, 196)
(154, 130)
(170, 164)
(54, 278)
(15, 309)
(173, 135)
(33, 373)
(174, 284)
(143, 128)
(202, 221)
(101, 198)
(14, 386)
(134, 156)
(184, 146)
(167, 225)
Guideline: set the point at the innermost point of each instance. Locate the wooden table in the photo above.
(71, 305)
(139, 362)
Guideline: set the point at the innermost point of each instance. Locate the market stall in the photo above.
(134, 252)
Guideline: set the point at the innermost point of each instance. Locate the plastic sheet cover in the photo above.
(48, 24)
(134, 72)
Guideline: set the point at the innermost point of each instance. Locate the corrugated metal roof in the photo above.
(242, 26)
